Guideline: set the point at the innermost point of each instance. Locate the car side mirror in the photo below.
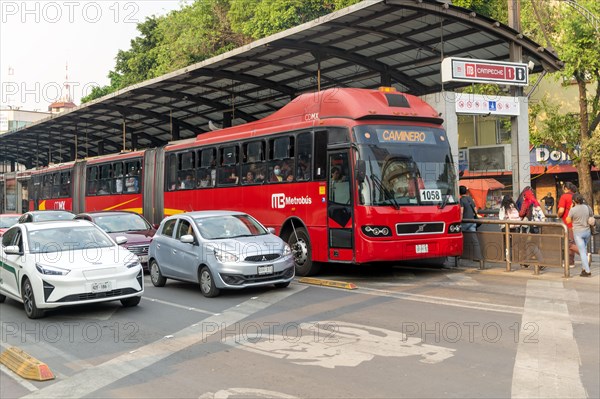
(12, 250)
(187, 239)
(120, 240)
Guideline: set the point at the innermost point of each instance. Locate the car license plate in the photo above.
(263, 270)
(422, 248)
(101, 287)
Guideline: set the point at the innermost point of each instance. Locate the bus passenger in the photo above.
(189, 182)
(276, 176)
(249, 179)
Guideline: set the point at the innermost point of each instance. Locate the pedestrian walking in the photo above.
(578, 217)
(531, 211)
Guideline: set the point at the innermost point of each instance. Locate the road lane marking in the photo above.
(334, 343)
(176, 305)
(95, 378)
(22, 382)
(547, 360)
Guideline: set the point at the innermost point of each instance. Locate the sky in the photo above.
(38, 39)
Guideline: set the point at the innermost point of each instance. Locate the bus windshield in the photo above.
(404, 165)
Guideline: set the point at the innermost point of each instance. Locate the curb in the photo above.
(24, 365)
(328, 283)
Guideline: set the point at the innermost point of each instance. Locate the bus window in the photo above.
(281, 166)
(92, 177)
(132, 177)
(207, 172)
(253, 169)
(65, 184)
(56, 185)
(228, 172)
(304, 165)
(105, 179)
(171, 168)
(117, 184)
(186, 171)
(339, 186)
(320, 158)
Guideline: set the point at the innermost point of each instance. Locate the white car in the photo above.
(52, 264)
(219, 249)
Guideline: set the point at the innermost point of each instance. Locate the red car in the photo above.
(135, 227)
(7, 220)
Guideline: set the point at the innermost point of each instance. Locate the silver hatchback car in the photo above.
(219, 249)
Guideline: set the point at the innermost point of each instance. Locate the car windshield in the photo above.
(229, 226)
(67, 238)
(47, 216)
(7, 221)
(121, 223)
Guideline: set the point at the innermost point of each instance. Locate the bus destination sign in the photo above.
(482, 71)
(411, 135)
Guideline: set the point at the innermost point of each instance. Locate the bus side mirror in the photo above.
(361, 170)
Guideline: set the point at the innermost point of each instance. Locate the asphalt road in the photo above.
(405, 332)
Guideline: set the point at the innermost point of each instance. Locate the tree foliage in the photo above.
(204, 29)
(574, 35)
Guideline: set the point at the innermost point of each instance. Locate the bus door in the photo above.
(78, 186)
(339, 207)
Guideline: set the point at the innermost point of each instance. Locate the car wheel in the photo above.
(2, 298)
(282, 285)
(207, 283)
(156, 276)
(299, 242)
(31, 309)
(130, 302)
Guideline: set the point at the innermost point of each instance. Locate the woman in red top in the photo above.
(564, 206)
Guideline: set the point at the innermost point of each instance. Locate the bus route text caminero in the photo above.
(344, 175)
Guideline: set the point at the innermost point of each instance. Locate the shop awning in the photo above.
(479, 189)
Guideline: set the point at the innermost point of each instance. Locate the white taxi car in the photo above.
(47, 265)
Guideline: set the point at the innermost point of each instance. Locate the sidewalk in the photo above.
(517, 270)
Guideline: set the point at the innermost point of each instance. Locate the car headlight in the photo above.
(224, 256)
(51, 270)
(287, 250)
(132, 263)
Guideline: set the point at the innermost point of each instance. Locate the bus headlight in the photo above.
(377, 231)
(454, 228)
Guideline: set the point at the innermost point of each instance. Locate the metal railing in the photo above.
(548, 248)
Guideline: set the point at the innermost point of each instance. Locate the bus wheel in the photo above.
(300, 244)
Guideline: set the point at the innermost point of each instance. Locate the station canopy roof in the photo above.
(374, 43)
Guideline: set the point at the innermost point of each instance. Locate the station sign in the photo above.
(486, 104)
(482, 71)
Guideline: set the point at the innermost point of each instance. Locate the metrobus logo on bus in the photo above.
(279, 201)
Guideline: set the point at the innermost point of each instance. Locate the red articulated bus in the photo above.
(344, 175)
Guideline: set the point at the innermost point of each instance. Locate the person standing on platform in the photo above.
(549, 203)
(578, 217)
(468, 211)
(564, 206)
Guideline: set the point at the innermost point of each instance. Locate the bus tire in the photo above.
(302, 252)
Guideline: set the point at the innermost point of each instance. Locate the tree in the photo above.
(576, 39)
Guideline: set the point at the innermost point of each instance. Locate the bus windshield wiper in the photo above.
(444, 201)
(385, 191)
